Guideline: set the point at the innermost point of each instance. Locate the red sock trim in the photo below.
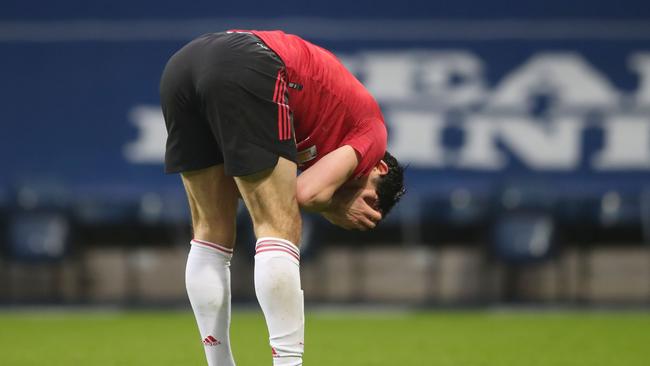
(213, 246)
(278, 249)
(270, 242)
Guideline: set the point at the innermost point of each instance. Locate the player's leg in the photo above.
(270, 197)
(271, 200)
(213, 203)
(213, 200)
(243, 93)
(193, 150)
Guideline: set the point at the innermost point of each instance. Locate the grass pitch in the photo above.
(332, 339)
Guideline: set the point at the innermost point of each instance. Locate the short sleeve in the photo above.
(369, 141)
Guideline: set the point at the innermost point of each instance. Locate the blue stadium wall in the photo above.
(550, 96)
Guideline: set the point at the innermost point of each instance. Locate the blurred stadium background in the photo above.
(526, 128)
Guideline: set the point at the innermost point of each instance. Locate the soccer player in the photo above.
(244, 110)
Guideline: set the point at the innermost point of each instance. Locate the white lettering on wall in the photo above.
(627, 144)
(640, 63)
(452, 77)
(416, 138)
(567, 76)
(425, 93)
(149, 147)
(389, 75)
(543, 145)
(479, 150)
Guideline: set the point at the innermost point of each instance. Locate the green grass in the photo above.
(350, 339)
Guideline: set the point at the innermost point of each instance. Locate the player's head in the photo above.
(383, 187)
(389, 183)
(386, 179)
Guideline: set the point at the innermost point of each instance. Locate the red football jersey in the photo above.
(330, 107)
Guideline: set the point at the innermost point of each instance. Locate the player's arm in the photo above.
(316, 185)
(319, 189)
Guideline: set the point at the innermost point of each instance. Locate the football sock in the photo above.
(277, 286)
(207, 279)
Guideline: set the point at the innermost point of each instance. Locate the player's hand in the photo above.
(353, 209)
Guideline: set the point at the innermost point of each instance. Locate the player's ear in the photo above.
(382, 167)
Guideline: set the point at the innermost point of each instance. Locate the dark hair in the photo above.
(390, 187)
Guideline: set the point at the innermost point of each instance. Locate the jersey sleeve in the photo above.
(369, 142)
